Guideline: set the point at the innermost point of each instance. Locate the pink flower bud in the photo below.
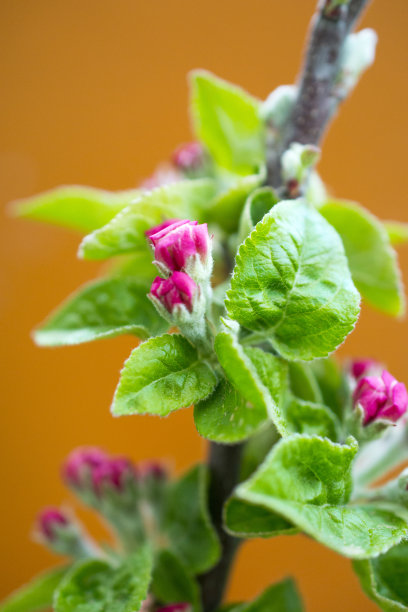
(178, 607)
(381, 398)
(189, 157)
(177, 246)
(49, 519)
(178, 290)
(152, 469)
(162, 226)
(362, 367)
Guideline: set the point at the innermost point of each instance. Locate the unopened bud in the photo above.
(364, 367)
(175, 294)
(61, 533)
(189, 158)
(381, 399)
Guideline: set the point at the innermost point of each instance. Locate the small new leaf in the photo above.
(97, 586)
(125, 233)
(80, 208)
(172, 581)
(372, 260)
(226, 119)
(102, 309)
(161, 375)
(36, 595)
(291, 282)
(385, 578)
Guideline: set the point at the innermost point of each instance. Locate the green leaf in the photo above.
(311, 418)
(245, 520)
(397, 232)
(307, 481)
(102, 309)
(257, 205)
(227, 206)
(303, 383)
(385, 579)
(332, 384)
(36, 595)
(292, 284)
(280, 597)
(226, 119)
(79, 208)
(125, 233)
(256, 449)
(187, 524)
(161, 375)
(224, 416)
(259, 377)
(97, 586)
(172, 582)
(372, 260)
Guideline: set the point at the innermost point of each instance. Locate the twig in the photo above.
(224, 462)
(316, 102)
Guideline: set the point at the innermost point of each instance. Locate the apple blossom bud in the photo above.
(381, 399)
(189, 157)
(174, 294)
(50, 520)
(183, 246)
(363, 367)
(153, 469)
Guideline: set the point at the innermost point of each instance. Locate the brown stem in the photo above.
(316, 102)
(224, 463)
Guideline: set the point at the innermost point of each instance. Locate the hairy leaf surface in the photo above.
(161, 375)
(292, 283)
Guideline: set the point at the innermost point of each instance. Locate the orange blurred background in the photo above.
(95, 93)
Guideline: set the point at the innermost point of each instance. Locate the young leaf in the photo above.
(79, 208)
(102, 309)
(307, 480)
(246, 520)
(259, 377)
(311, 418)
(227, 206)
(280, 597)
(161, 375)
(224, 416)
(172, 581)
(332, 384)
(385, 578)
(303, 383)
(187, 524)
(226, 119)
(397, 232)
(256, 449)
(36, 595)
(372, 260)
(125, 233)
(257, 205)
(97, 586)
(291, 283)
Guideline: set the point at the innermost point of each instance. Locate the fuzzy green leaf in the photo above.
(225, 416)
(307, 480)
(385, 579)
(161, 375)
(259, 377)
(76, 207)
(125, 233)
(97, 586)
(172, 581)
(187, 524)
(226, 119)
(227, 206)
(280, 597)
(397, 232)
(291, 282)
(332, 384)
(102, 309)
(36, 595)
(372, 260)
(245, 520)
(311, 418)
(303, 383)
(257, 205)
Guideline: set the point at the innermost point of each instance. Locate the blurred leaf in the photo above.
(397, 232)
(79, 208)
(257, 205)
(36, 595)
(102, 309)
(172, 581)
(226, 120)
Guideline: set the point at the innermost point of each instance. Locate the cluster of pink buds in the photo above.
(377, 394)
(182, 253)
(90, 468)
